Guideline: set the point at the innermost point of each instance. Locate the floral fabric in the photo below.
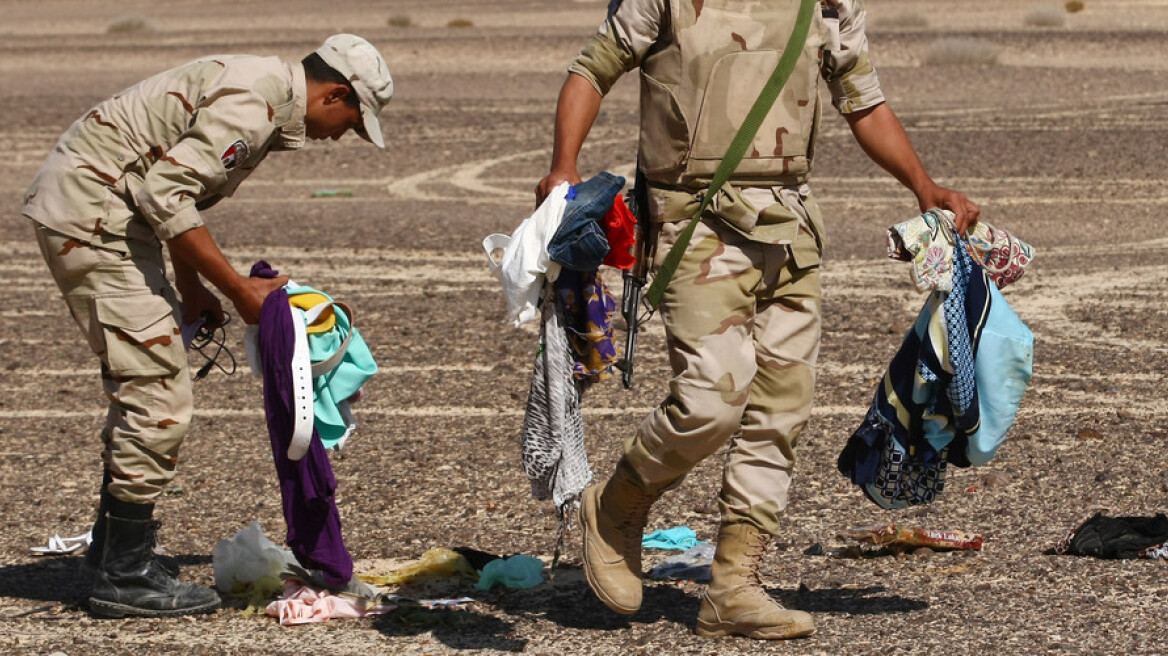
(588, 310)
(927, 241)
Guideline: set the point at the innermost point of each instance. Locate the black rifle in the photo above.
(634, 278)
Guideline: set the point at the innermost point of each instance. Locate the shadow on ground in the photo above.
(57, 580)
(60, 579)
(871, 600)
(567, 602)
(457, 628)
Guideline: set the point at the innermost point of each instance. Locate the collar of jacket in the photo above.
(289, 117)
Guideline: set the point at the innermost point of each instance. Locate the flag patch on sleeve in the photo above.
(234, 155)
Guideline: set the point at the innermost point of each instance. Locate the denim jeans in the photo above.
(579, 243)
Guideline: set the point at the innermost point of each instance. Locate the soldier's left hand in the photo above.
(965, 211)
(198, 301)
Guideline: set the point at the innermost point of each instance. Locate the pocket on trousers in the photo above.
(807, 248)
(140, 335)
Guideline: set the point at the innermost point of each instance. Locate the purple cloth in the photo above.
(307, 485)
(588, 309)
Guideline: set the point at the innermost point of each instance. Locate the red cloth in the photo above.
(620, 230)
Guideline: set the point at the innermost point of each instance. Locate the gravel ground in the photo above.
(1062, 140)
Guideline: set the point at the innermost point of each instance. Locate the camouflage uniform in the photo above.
(742, 312)
(137, 169)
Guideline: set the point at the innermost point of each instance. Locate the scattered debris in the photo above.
(1117, 537)
(692, 564)
(906, 538)
(678, 538)
(519, 571)
(59, 546)
(436, 563)
(332, 193)
(1089, 434)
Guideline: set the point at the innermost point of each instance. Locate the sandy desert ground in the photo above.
(1061, 138)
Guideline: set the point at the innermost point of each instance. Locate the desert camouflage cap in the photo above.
(367, 72)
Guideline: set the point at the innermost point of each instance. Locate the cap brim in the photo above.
(372, 131)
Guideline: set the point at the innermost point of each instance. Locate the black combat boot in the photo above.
(92, 561)
(130, 581)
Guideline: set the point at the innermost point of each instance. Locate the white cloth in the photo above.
(521, 262)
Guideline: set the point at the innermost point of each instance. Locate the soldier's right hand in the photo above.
(550, 181)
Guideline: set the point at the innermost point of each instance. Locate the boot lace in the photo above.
(757, 549)
(150, 559)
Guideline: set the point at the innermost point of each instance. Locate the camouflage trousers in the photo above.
(128, 313)
(742, 325)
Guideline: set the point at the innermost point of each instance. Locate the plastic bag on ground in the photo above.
(692, 564)
(248, 563)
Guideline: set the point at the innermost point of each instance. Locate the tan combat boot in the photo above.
(735, 603)
(612, 519)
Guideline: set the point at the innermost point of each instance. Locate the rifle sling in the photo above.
(746, 132)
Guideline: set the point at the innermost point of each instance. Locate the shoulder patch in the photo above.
(235, 154)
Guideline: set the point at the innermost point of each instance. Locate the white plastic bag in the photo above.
(248, 560)
(524, 263)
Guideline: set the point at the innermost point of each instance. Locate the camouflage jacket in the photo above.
(142, 164)
(702, 66)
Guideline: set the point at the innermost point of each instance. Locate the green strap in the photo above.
(762, 105)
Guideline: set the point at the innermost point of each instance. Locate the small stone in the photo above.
(1089, 434)
(994, 479)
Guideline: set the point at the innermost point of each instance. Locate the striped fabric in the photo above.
(553, 453)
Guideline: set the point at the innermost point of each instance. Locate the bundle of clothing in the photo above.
(314, 364)
(953, 389)
(1101, 536)
(549, 268)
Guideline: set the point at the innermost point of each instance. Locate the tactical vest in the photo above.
(697, 87)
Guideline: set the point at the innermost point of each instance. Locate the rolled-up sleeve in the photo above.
(625, 36)
(226, 129)
(849, 73)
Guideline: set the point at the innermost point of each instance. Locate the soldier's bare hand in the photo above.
(198, 301)
(549, 182)
(251, 295)
(965, 211)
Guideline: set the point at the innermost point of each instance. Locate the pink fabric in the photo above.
(303, 605)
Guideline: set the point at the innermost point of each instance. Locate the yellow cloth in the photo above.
(309, 300)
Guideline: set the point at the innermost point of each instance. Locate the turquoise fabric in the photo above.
(519, 571)
(1004, 364)
(678, 538)
(337, 386)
